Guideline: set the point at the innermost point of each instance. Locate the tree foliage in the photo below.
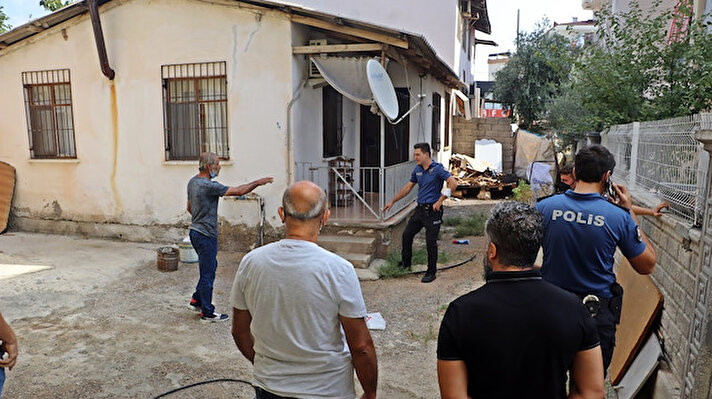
(4, 26)
(54, 5)
(534, 75)
(632, 72)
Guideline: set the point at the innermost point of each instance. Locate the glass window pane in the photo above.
(62, 94)
(212, 89)
(41, 95)
(181, 90)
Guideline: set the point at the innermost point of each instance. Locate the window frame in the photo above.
(435, 122)
(50, 78)
(337, 134)
(195, 73)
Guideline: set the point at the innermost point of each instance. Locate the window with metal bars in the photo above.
(48, 107)
(195, 110)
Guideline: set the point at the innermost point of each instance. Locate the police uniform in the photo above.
(430, 183)
(582, 231)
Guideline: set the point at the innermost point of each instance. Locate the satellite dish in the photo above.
(382, 89)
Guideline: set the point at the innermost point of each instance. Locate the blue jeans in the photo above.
(2, 379)
(207, 249)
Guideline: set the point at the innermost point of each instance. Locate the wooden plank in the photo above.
(7, 188)
(34, 28)
(642, 302)
(362, 33)
(337, 48)
(3, 45)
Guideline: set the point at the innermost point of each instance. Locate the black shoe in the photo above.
(428, 278)
(214, 317)
(194, 306)
(402, 266)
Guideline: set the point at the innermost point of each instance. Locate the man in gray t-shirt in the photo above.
(203, 195)
(291, 299)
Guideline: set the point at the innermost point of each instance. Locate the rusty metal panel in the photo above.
(7, 188)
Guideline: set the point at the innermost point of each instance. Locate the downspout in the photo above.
(290, 151)
(99, 38)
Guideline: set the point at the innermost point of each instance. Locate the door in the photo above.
(397, 139)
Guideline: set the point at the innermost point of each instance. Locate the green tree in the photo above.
(54, 5)
(534, 75)
(4, 26)
(634, 73)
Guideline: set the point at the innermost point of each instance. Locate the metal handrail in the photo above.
(350, 187)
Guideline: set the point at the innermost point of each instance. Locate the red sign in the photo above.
(494, 113)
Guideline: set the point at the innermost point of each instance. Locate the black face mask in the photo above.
(562, 187)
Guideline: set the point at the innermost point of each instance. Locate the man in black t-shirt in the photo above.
(517, 336)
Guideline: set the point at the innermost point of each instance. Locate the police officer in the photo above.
(582, 229)
(429, 175)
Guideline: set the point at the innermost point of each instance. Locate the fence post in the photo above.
(698, 367)
(634, 155)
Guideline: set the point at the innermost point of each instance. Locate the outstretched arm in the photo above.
(246, 188)
(402, 193)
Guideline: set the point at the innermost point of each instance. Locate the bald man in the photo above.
(294, 303)
(203, 195)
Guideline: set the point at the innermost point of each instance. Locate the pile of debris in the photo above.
(478, 178)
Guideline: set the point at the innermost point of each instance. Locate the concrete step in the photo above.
(345, 244)
(360, 261)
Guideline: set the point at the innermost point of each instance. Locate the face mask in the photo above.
(212, 174)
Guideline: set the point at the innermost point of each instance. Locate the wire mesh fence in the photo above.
(664, 158)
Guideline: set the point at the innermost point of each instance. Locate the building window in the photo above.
(48, 106)
(195, 110)
(435, 131)
(448, 114)
(333, 124)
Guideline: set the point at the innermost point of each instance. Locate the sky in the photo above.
(19, 11)
(503, 19)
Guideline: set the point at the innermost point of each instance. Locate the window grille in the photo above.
(48, 107)
(195, 110)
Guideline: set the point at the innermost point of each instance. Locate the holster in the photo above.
(615, 304)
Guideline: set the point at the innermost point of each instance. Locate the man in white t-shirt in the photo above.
(298, 312)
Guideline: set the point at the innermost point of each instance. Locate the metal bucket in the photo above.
(187, 252)
(167, 259)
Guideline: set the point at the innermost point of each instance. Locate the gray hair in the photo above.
(516, 229)
(207, 159)
(316, 209)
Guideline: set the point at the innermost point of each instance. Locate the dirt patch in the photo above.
(135, 337)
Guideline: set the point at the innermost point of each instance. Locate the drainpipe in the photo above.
(99, 38)
(290, 151)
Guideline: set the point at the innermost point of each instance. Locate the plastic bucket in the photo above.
(167, 259)
(187, 252)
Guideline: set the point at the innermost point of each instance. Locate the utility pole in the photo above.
(517, 29)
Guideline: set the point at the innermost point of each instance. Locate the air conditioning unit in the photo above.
(313, 70)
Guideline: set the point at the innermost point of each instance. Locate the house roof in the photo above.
(412, 46)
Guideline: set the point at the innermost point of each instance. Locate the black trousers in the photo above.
(424, 216)
(262, 394)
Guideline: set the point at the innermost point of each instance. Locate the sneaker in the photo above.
(194, 306)
(428, 278)
(214, 317)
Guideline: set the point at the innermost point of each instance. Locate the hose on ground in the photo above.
(163, 395)
(449, 266)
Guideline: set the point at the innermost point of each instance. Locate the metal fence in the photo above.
(664, 158)
(354, 194)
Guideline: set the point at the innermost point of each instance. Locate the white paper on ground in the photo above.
(374, 321)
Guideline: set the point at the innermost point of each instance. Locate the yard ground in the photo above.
(100, 321)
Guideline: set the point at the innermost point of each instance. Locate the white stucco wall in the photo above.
(120, 174)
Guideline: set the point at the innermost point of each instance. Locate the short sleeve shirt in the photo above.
(518, 336)
(430, 181)
(203, 195)
(581, 233)
(295, 292)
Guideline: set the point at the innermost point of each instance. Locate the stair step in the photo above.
(344, 244)
(360, 261)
